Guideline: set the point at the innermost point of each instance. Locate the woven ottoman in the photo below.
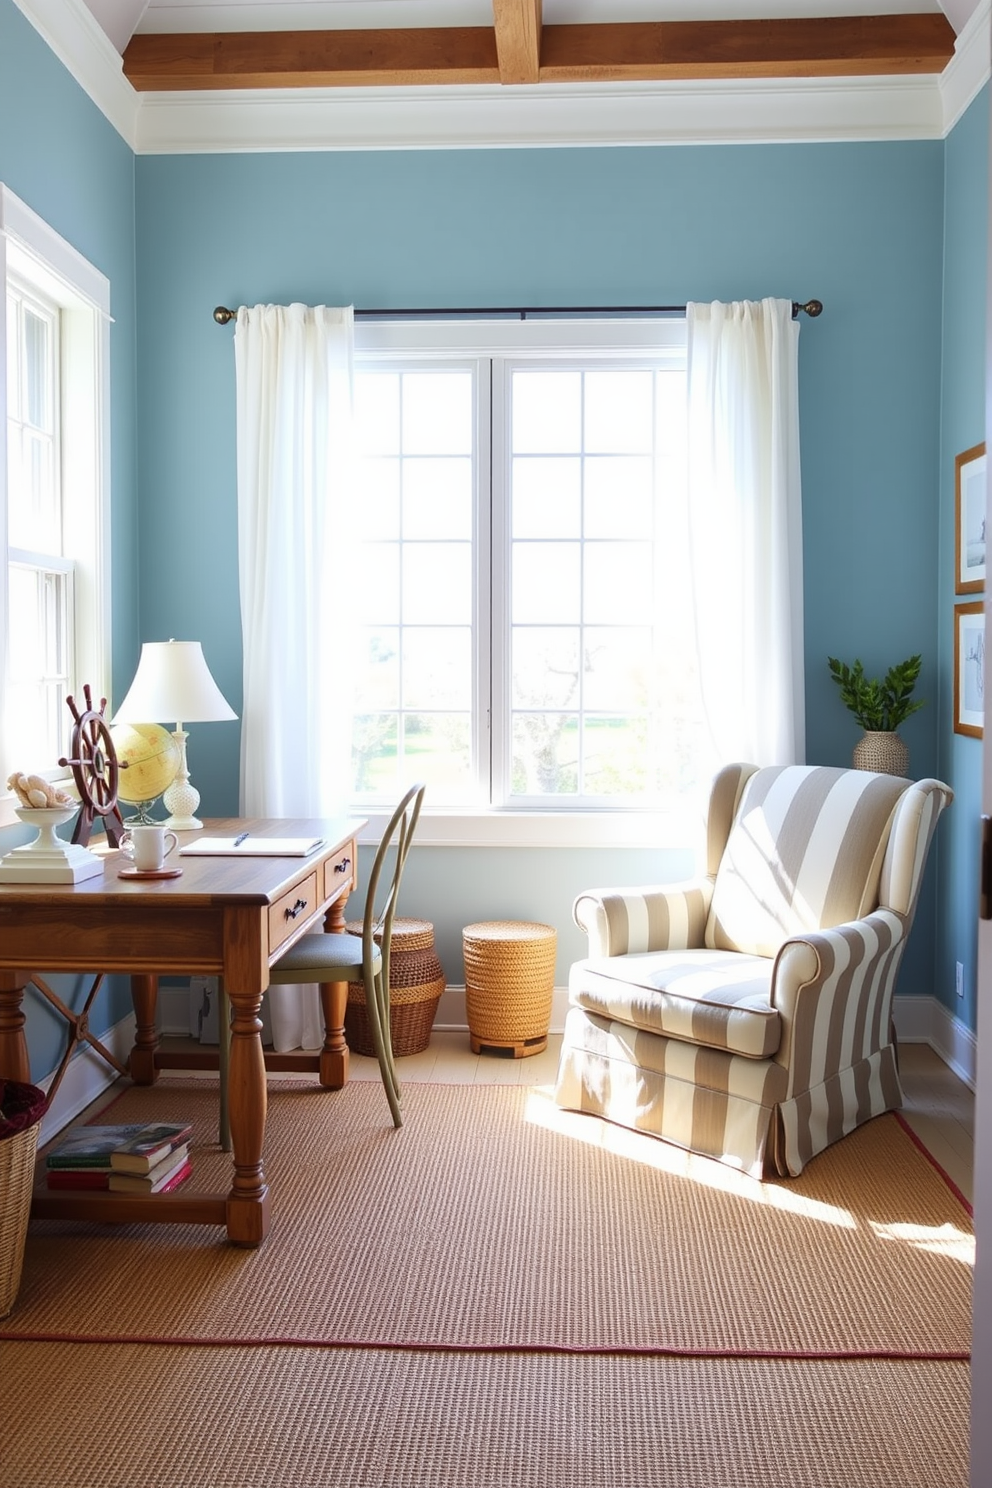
(416, 981)
(509, 984)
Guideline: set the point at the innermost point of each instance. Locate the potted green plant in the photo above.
(880, 706)
(21, 1109)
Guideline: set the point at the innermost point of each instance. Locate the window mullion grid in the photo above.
(495, 646)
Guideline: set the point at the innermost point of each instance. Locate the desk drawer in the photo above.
(292, 910)
(339, 871)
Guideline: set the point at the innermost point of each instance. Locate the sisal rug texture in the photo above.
(493, 1221)
(138, 1416)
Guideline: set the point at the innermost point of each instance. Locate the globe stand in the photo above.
(143, 815)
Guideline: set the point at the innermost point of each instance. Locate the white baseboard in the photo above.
(925, 1020)
(86, 1077)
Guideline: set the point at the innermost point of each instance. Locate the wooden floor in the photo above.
(938, 1105)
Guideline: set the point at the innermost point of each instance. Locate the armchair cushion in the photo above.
(717, 998)
(805, 852)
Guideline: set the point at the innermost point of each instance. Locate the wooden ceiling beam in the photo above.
(518, 45)
(518, 40)
(834, 46)
(312, 59)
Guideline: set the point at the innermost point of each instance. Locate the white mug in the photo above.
(145, 844)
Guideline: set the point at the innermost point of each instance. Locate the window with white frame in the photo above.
(526, 633)
(54, 478)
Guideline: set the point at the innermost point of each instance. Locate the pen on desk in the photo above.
(238, 840)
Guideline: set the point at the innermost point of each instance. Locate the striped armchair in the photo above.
(747, 1015)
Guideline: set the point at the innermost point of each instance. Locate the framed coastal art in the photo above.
(969, 668)
(969, 521)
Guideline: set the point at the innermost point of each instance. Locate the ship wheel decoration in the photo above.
(95, 769)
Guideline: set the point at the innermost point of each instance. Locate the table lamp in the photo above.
(174, 681)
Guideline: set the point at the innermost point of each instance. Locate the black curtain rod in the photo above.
(811, 308)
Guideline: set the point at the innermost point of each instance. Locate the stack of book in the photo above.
(123, 1159)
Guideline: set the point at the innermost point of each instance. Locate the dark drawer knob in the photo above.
(297, 909)
(343, 866)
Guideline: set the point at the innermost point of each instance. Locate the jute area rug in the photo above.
(492, 1221)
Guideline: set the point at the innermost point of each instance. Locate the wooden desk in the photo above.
(225, 916)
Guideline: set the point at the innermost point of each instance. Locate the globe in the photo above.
(152, 757)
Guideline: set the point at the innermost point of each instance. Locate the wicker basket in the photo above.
(416, 981)
(17, 1155)
(509, 985)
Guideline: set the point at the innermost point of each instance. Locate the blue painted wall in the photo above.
(962, 425)
(890, 236)
(61, 157)
(858, 226)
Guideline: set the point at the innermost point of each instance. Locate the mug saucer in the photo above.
(149, 872)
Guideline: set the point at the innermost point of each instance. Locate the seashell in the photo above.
(38, 798)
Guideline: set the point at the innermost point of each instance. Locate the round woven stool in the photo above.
(416, 981)
(509, 984)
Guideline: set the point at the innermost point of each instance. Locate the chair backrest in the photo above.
(808, 848)
(383, 890)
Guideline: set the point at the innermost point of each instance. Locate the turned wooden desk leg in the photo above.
(248, 1216)
(144, 996)
(333, 1003)
(15, 1063)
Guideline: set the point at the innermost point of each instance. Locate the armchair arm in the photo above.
(833, 989)
(657, 918)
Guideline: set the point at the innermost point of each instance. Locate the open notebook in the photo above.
(252, 847)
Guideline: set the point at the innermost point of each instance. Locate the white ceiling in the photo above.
(122, 18)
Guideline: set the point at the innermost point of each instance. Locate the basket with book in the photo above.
(151, 1158)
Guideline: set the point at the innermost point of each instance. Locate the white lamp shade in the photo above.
(173, 683)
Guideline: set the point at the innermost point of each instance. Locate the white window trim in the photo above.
(37, 253)
(592, 338)
(452, 827)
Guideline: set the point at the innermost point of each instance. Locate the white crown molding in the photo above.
(968, 70)
(494, 117)
(80, 44)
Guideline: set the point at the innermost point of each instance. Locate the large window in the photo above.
(54, 480)
(525, 632)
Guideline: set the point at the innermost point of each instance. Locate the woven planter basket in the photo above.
(17, 1154)
(509, 985)
(884, 752)
(416, 981)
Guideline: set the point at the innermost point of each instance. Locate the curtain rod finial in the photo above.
(222, 315)
(813, 308)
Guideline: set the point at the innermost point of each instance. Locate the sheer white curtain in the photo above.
(294, 368)
(745, 524)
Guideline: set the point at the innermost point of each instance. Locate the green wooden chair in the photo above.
(323, 957)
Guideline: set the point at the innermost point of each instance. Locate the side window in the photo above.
(54, 479)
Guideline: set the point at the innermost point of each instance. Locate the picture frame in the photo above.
(969, 669)
(970, 478)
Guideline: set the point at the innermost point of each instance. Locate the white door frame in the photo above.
(981, 1357)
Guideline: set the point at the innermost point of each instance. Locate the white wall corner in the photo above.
(968, 70)
(69, 28)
